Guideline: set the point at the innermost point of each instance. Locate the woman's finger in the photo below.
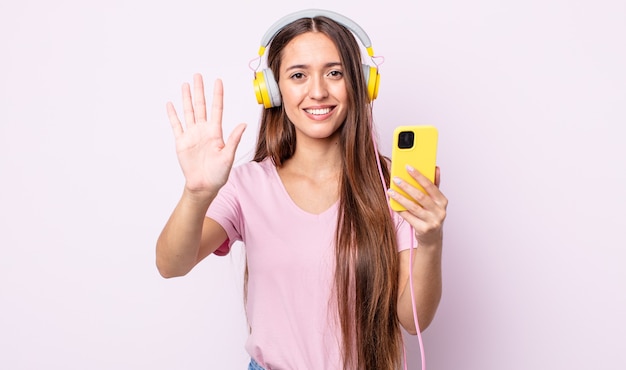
(235, 138)
(188, 105)
(414, 193)
(430, 188)
(177, 127)
(217, 107)
(199, 102)
(411, 206)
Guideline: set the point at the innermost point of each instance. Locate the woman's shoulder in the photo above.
(253, 170)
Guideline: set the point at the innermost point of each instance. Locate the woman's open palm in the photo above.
(203, 155)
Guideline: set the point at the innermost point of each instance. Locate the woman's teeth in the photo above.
(318, 111)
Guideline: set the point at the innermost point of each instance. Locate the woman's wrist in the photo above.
(200, 198)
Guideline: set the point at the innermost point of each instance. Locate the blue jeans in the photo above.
(254, 366)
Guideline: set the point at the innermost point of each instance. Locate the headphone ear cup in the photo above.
(372, 80)
(266, 89)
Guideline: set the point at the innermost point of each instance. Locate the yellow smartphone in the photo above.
(415, 146)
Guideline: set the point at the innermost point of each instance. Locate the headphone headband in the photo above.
(312, 13)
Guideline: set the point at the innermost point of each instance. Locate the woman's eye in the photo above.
(297, 76)
(336, 74)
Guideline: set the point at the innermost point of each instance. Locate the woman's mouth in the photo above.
(318, 111)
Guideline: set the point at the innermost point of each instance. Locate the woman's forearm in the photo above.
(427, 285)
(179, 242)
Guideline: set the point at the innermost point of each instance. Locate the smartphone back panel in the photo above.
(415, 146)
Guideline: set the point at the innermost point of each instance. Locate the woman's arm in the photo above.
(426, 213)
(206, 161)
(188, 236)
(426, 284)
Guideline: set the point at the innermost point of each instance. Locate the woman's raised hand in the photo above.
(203, 155)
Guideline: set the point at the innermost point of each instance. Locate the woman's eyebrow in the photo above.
(305, 66)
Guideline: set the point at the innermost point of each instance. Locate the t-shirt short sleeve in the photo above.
(226, 211)
(404, 233)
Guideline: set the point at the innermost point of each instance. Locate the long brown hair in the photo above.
(366, 272)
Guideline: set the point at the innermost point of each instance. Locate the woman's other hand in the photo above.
(204, 157)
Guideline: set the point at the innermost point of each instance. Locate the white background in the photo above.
(529, 97)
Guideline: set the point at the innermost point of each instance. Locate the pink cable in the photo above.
(417, 326)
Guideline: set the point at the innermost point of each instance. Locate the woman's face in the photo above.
(312, 86)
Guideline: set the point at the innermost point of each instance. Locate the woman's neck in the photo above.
(317, 160)
(312, 176)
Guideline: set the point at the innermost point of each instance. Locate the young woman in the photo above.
(327, 277)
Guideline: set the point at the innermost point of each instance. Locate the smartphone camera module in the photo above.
(406, 139)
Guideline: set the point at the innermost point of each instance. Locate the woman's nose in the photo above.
(317, 88)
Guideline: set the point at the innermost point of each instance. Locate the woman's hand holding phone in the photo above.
(425, 209)
(415, 179)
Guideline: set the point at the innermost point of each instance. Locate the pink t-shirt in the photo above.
(290, 256)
